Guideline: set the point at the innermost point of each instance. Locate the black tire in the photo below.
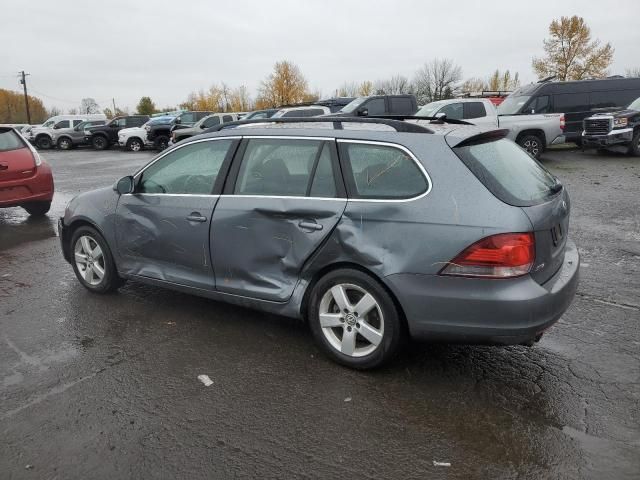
(110, 280)
(65, 143)
(99, 142)
(161, 142)
(37, 209)
(634, 148)
(532, 144)
(134, 145)
(391, 324)
(43, 142)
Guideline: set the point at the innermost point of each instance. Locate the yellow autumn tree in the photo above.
(13, 110)
(284, 86)
(570, 52)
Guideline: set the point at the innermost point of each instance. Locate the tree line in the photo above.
(570, 54)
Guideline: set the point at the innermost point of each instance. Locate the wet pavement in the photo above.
(106, 386)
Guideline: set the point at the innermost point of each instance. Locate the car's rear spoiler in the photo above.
(488, 136)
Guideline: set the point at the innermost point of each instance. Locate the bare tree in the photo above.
(436, 80)
(348, 89)
(89, 105)
(396, 85)
(633, 72)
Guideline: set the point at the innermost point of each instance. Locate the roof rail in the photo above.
(439, 119)
(395, 123)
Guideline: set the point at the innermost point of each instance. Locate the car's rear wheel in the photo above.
(634, 148)
(92, 261)
(37, 209)
(532, 144)
(99, 142)
(43, 142)
(354, 319)
(65, 144)
(134, 145)
(162, 142)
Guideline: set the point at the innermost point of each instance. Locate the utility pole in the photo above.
(114, 106)
(23, 81)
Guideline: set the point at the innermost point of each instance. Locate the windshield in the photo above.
(430, 109)
(351, 107)
(48, 123)
(635, 105)
(512, 104)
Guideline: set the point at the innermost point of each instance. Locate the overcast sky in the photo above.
(165, 49)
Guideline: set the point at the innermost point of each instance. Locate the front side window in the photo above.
(283, 167)
(453, 110)
(542, 104)
(211, 122)
(119, 122)
(382, 172)
(192, 169)
(188, 117)
(62, 124)
(375, 106)
(77, 122)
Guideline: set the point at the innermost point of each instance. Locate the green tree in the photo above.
(146, 106)
(570, 53)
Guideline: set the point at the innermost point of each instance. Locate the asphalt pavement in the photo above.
(107, 386)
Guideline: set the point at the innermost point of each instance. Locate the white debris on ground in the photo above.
(441, 464)
(205, 380)
(348, 399)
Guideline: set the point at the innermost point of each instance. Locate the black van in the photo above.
(576, 100)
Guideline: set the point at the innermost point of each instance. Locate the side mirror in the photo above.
(56, 127)
(203, 126)
(124, 185)
(114, 125)
(362, 112)
(177, 121)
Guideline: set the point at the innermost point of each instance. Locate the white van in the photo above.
(41, 136)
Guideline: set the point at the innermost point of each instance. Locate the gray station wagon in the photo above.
(372, 230)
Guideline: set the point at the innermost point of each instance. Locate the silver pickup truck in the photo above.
(533, 132)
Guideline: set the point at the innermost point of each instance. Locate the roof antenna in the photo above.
(547, 79)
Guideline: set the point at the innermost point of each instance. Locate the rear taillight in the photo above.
(36, 156)
(504, 255)
(562, 122)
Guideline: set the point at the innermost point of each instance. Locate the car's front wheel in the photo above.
(99, 142)
(634, 148)
(134, 145)
(162, 142)
(43, 142)
(354, 319)
(92, 261)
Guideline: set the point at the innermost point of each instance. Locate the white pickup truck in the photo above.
(532, 132)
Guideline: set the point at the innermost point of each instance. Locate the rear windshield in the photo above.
(509, 172)
(9, 140)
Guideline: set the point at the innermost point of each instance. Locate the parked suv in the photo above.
(614, 129)
(102, 137)
(381, 105)
(178, 133)
(134, 139)
(42, 136)
(68, 138)
(160, 134)
(370, 234)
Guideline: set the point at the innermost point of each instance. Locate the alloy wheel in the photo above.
(532, 147)
(351, 320)
(64, 144)
(135, 146)
(89, 260)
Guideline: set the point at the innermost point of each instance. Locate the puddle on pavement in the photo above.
(17, 227)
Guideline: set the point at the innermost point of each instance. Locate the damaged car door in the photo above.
(283, 197)
(162, 228)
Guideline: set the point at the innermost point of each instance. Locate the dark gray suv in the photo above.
(374, 231)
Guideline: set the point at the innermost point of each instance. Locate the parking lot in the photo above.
(106, 386)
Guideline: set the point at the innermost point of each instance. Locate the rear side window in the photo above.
(9, 140)
(381, 172)
(508, 172)
(283, 167)
(77, 122)
(401, 105)
(227, 118)
(474, 110)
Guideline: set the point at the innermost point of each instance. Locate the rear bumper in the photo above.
(469, 310)
(36, 188)
(614, 137)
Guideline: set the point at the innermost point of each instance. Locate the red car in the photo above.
(25, 180)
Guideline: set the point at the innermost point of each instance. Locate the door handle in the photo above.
(310, 225)
(4, 166)
(196, 217)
